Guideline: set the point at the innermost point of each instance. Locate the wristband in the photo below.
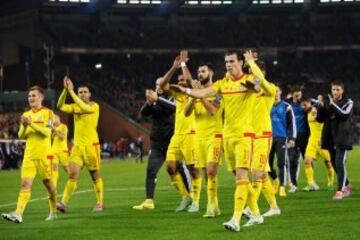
(183, 64)
(187, 91)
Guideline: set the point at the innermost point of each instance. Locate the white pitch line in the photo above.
(89, 190)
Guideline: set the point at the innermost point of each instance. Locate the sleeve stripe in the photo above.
(293, 122)
(167, 101)
(346, 108)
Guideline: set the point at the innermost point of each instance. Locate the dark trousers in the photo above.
(294, 156)
(279, 148)
(156, 160)
(338, 159)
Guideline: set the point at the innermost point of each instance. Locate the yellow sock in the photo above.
(212, 191)
(269, 193)
(55, 177)
(52, 203)
(179, 185)
(253, 196)
(309, 172)
(240, 197)
(99, 190)
(196, 189)
(23, 199)
(68, 191)
(330, 175)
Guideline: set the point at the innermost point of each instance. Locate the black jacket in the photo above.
(162, 114)
(337, 130)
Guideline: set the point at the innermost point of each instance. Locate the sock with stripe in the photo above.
(269, 193)
(177, 181)
(99, 190)
(23, 199)
(240, 197)
(69, 190)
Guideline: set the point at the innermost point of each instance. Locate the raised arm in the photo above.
(268, 88)
(167, 77)
(61, 105)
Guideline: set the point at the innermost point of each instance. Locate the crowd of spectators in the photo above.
(11, 150)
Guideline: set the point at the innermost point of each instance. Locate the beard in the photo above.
(204, 81)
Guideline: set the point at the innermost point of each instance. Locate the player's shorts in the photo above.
(181, 147)
(238, 151)
(62, 157)
(208, 150)
(261, 150)
(86, 155)
(42, 166)
(313, 150)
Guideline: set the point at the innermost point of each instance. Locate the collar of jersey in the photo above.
(35, 111)
(237, 79)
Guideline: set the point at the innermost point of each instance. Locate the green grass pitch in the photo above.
(304, 215)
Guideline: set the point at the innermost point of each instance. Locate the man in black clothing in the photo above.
(337, 134)
(161, 109)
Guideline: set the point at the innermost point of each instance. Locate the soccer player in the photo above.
(261, 143)
(182, 142)
(35, 127)
(284, 135)
(208, 138)
(301, 139)
(337, 134)
(60, 148)
(238, 129)
(161, 108)
(313, 149)
(86, 149)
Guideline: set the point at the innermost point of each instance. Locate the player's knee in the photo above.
(195, 172)
(241, 173)
(26, 185)
(308, 162)
(258, 175)
(171, 169)
(95, 175)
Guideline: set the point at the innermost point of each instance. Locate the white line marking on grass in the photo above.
(87, 191)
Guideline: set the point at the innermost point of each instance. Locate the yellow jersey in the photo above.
(86, 117)
(315, 127)
(58, 143)
(183, 124)
(262, 111)
(238, 105)
(207, 125)
(38, 133)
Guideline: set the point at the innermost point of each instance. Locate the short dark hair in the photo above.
(296, 88)
(39, 89)
(306, 98)
(239, 54)
(337, 83)
(207, 64)
(84, 86)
